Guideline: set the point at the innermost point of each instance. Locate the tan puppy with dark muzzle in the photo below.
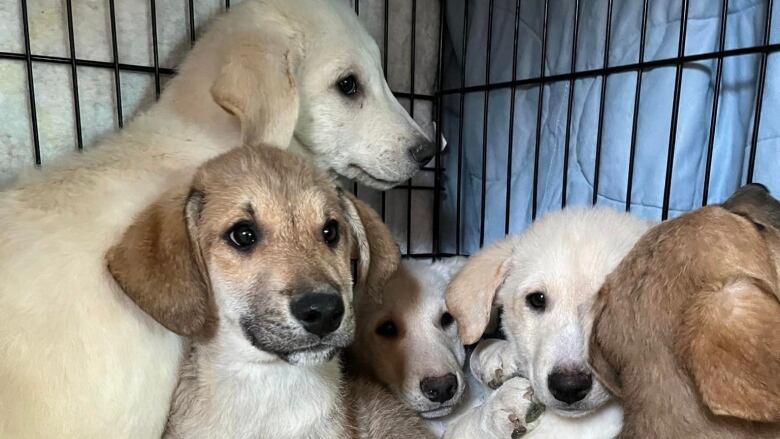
(252, 260)
(686, 331)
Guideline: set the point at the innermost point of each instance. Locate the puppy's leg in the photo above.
(493, 362)
(508, 413)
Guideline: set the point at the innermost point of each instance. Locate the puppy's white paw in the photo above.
(511, 411)
(493, 363)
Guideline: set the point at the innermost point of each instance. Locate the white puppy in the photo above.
(545, 279)
(77, 357)
(564, 257)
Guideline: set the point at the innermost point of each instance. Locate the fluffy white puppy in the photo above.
(545, 280)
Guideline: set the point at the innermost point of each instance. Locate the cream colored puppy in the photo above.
(545, 279)
(77, 358)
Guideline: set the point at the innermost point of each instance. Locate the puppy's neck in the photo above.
(228, 350)
(228, 388)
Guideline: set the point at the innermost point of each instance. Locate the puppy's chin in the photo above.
(577, 410)
(595, 400)
(310, 357)
(375, 181)
(436, 413)
(428, 409)
(296, 347)
(568, 412)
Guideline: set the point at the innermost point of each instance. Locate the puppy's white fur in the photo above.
(231, 389)
(567, 255)
(77, 358)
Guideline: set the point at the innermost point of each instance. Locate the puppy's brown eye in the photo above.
(536, 301)
(446, 320)
(348, 85)
(387, 329)
(242, 236)
(330, 232)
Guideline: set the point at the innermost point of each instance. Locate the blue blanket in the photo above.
(732, 139)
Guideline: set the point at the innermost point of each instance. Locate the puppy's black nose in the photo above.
(439, 389)
(423, 153)
(319, 313)
(569, 386)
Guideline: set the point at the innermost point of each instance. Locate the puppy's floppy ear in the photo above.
(377, 253)
(606, 374)
(159, 265)
(256, 83)
(730, 345)
(754, 202)
(470, 294)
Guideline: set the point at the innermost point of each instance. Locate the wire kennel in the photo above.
(655, 107)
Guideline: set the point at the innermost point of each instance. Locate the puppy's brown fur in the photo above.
(177, 262)
(686, 330)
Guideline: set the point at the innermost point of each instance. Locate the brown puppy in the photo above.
(686, 331)
(251, 259)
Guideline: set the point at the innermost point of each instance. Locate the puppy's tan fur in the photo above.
(686, 330)
(176, 262)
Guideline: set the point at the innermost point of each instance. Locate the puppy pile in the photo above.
(676, 324)
(172, 283)
(77, 357)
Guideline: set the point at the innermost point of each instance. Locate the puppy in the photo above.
(252, 260)
(686, 331)
(409, 342)
(544, 279)
(297, 73)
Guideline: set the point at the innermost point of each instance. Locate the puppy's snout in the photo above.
(569, 386)
(423, 153)
(319, 313)
(439, 389)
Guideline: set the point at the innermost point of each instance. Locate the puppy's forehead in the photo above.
(402, 293)
(268, 177)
